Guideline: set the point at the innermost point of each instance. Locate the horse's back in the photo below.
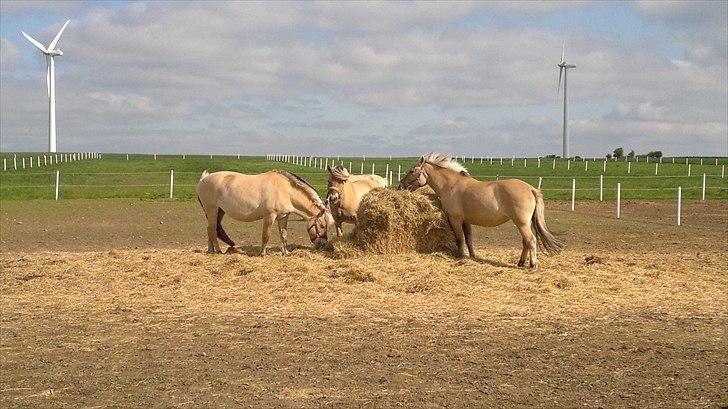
(491, 203)
(241, 196)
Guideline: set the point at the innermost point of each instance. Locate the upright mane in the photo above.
(445, 161)
(339, 172)
(304, 186)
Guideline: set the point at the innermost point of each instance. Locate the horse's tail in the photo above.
(205, 174)
(546, 240)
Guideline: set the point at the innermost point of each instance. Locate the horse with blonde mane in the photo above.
(345, 192)
(271, 196)
(467, 201)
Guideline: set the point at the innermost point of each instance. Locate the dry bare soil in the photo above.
(112, 303)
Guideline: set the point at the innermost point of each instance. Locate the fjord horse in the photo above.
(271, 196)
(468, 201)
(345, 192)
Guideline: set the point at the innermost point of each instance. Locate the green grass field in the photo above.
(143, 176)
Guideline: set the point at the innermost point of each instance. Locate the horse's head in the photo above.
(415, 178)
(333, 196)
(317, 227)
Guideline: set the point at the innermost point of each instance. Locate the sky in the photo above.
(367, 78)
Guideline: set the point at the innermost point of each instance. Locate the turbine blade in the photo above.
(558, 88)
(48, 76)
(53, 43)
(563, 50)
(35, 43)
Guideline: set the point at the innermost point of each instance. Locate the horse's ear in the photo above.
(422, 160)
(328, 168)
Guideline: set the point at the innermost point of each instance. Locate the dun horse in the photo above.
(271, 196)
(468, 201)
(345, 192)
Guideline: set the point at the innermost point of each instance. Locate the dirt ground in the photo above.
(98, 311)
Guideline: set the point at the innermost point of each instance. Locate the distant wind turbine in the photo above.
(50, 52)
(564, 68)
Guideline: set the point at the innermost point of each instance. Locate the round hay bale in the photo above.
(395, 221)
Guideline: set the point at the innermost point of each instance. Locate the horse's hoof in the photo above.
(233, 250)
(521, 264)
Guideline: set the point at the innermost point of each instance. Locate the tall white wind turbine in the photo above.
(50, 52)
(564, 68)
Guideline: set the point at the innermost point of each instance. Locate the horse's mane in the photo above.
(301, 184)
(339, 172)
(445, 161)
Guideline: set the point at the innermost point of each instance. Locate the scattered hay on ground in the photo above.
(394, 222)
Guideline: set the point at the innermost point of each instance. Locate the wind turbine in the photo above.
(564, 68)
(50, 52)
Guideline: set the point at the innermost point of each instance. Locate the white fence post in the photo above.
(127, 156)
(619, 199)
(568, 164)
(171, 183)
(155, 156)
(689, 169)
(31, 162)
(656, 165)
(372, 168)
(539, 162)
(524, 162)
(703, 197)
(601, 188)
(399, 172)
(15, 163)
(386, 172)
(350, 169)
(539, 181)
(23, 163)
(553, 165)
(58, 178)
(722, 171)
(390, 178)
(45, 161)
(679, 204)
(573, 193)
(361, 171)
(5, 166)
(512, 160)
(327, 163)
(586, 166)
(629, 167)
(604, 167)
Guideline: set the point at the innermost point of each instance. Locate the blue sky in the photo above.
(367, 78)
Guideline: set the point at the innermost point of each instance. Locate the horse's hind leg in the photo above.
(212, 245)
(524, 253)
(529, 245)
(468, 232)
(283, 230)
(221, 232)
(267, 227)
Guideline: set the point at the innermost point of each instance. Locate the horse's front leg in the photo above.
(468, 231)
(457, 228)
(283, 230)
(267, 227)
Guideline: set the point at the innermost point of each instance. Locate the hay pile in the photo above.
(394, 221)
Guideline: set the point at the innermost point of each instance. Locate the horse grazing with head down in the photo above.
(468, 201)
(271, 196)
(345, 192)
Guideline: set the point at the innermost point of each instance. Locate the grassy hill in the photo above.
(147, 177)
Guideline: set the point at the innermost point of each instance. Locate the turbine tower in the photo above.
(50, 52)
(564, 68)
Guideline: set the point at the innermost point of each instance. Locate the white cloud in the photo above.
(386, 71)
(9, 54)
